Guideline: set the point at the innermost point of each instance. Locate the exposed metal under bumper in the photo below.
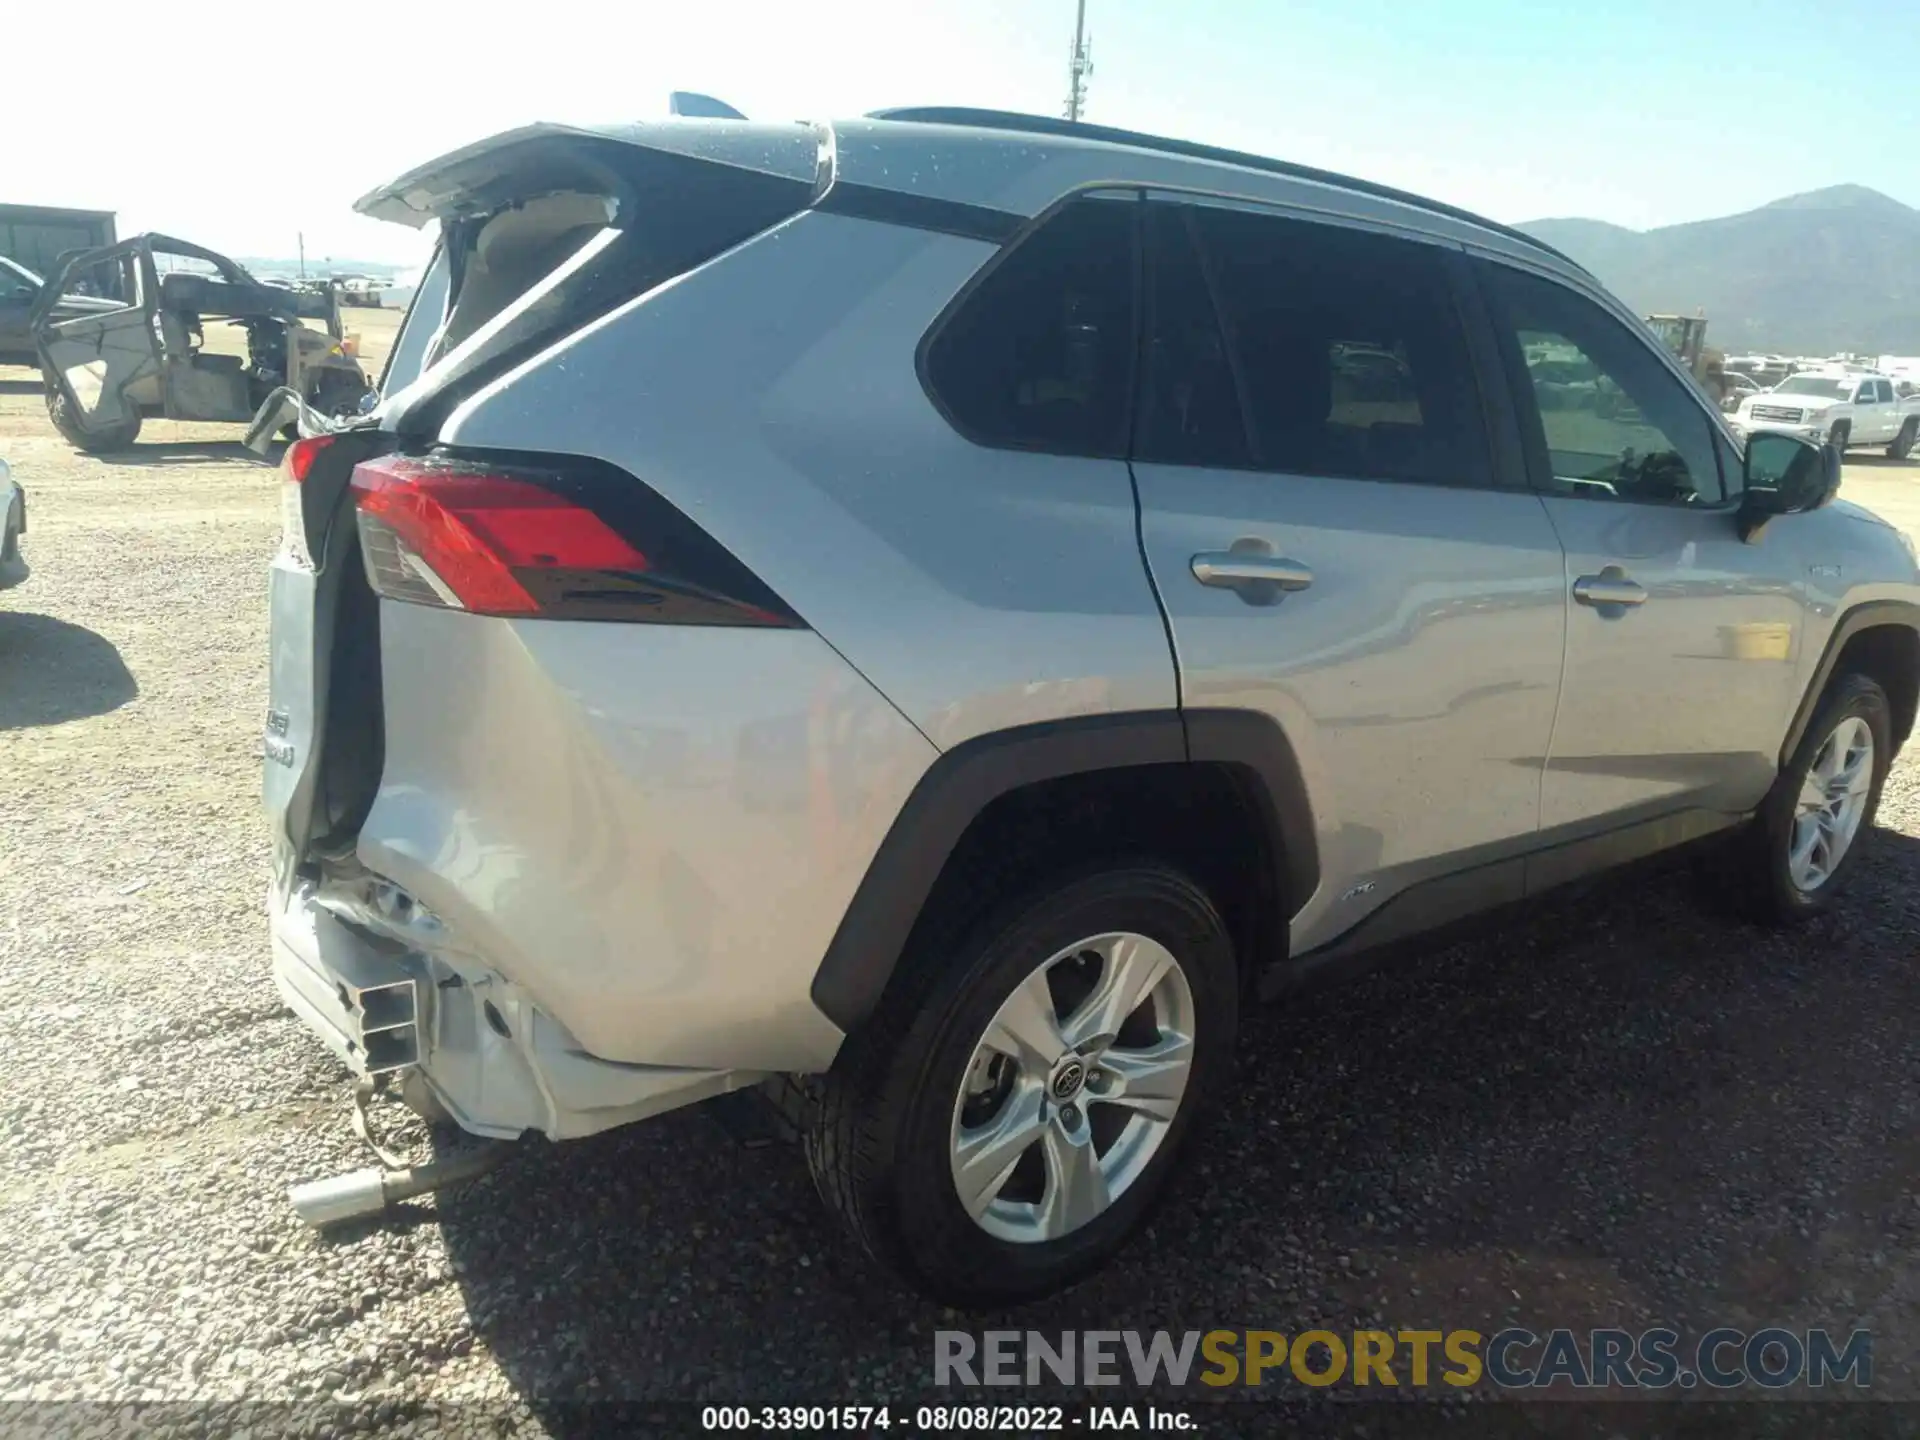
(364, 1004)
(497, 1063)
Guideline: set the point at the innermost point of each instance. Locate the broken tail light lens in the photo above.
(559, 539)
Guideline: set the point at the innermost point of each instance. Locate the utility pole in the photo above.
(301, 236)
(1080, 66)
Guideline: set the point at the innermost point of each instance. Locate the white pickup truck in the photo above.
(1840, 406)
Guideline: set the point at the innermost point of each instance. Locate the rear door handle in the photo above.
(1230, 569)
(1610, 587)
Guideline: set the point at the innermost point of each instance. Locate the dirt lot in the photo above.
(1621, 1109)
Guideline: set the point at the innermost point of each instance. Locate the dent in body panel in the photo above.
(654, 830)
(977, 589)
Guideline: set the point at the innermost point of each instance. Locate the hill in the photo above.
(283, 265)
(1831, 270)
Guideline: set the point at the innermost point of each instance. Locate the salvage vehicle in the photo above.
(13, 524)
(917, 614)
(110, 368)
(1842, 407)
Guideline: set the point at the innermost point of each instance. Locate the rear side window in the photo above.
(1347, 351)
(1039, 354)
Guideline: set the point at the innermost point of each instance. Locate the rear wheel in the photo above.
(1008, 1116)
(1812, 827)
(102, 441)
(1902, 445)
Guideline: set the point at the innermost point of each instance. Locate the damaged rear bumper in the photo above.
(380, 983)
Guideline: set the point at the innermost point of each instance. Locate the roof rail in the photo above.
(1013, 120)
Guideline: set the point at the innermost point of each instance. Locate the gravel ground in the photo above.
(1619, 1110)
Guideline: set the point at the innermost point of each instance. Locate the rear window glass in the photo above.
(417, 331)
(533, 270)
(1039, 355)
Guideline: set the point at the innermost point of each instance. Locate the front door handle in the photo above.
(1230, 569)
(1610, 587)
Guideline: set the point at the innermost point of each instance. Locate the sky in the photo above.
(206, 122)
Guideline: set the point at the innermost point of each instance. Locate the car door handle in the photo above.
(1610, 587)
(1231, 568)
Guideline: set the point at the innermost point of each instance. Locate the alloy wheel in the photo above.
(1831, 804)
(1073, 1087)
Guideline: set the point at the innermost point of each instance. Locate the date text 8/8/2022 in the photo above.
(928, 1419)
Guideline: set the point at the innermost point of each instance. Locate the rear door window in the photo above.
(1190, 412)
(1038, 355)
(1347, 350)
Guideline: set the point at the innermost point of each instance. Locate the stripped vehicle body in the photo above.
(672, 645)
(115, 364)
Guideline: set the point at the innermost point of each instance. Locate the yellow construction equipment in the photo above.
(1686, 337)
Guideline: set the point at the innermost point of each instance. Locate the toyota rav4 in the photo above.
(950, 607)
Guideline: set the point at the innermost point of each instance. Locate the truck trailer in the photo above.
(39, 236)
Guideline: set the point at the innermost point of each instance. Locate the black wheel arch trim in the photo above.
(1865, 616)
(962, 782)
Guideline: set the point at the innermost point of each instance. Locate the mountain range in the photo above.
(1832, 270)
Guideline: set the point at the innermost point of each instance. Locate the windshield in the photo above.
(1813, 385)
(11, 270)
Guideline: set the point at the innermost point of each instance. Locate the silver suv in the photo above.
(952, 606)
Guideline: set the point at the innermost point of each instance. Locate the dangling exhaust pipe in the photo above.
(359, 1194)
(363, 1193)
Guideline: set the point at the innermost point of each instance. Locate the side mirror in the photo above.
(1785, 475)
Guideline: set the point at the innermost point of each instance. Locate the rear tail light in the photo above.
(302, 453)
(559, 539)
(294, 468)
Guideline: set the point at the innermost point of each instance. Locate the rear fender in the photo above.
(970, 777)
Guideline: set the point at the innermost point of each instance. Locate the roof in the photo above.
(981, 173)
(1018, 123)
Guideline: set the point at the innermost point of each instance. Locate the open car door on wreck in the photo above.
(103, 369)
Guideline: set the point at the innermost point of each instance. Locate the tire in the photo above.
(1841, 433)
(102, 441)
(1902, 445)
(1763, 863)
(889, 1119)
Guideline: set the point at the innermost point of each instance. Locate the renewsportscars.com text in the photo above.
(1512, 1359)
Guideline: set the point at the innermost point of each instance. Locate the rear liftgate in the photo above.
(522, 536)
